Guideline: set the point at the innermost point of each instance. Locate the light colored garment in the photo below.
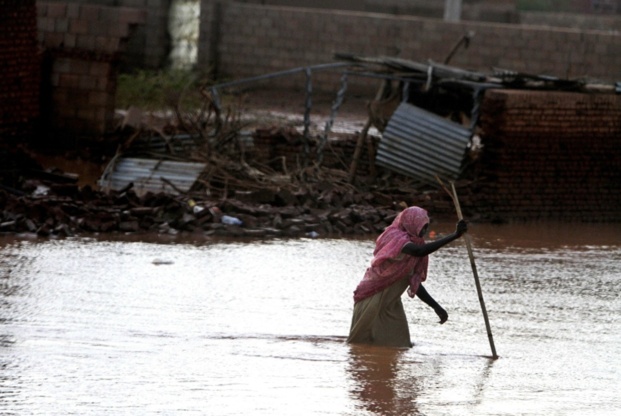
(381, 320)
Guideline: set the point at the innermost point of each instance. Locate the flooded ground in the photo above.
(121, 326)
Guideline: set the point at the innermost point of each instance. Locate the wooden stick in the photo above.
(361, 139)
(474, 271)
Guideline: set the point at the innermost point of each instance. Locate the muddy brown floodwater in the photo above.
(124, 326)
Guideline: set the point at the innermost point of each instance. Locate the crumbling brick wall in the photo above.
(550, 155)
(82, 46)
(20, 63)
(148, 44)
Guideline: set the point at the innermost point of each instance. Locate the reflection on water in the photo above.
(129, 326)
(377, 385)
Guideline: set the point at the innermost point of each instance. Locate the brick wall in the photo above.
(82, 46)
(253, 40)
(550, 155)
(487, 10)
(608, 23)
(148, 45)
(19, 83)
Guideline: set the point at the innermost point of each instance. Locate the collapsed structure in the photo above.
(521, 146)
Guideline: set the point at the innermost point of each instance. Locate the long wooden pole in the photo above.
(476, 274)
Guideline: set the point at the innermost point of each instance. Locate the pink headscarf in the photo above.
(389, 265)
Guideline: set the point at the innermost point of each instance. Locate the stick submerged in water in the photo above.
(453, 195)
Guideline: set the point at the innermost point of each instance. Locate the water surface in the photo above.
(128, 325)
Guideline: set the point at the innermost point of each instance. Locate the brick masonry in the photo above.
(255, 39)
(19, 83)
(82, 46)
(549, 155)
(605, 23)
(149, 42)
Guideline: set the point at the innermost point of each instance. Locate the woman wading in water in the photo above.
(400, 261)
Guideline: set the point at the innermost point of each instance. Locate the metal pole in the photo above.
(476, 275)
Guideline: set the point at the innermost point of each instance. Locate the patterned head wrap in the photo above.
(389, 264)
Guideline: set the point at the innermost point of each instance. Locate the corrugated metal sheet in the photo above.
(147, 174)
(421, 144)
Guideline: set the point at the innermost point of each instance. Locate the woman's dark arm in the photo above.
(426, 297)
(428, 248)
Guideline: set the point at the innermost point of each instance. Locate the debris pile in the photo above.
(65, 210)
(323, 204)
(250, 181)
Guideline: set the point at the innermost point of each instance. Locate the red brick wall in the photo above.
(20, 62)
(550, 155)
(82, 45)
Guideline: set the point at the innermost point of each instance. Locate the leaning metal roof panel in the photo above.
(149, 175)
(420, 144)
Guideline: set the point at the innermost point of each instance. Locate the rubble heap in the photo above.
(48, 203)
(65, 210)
